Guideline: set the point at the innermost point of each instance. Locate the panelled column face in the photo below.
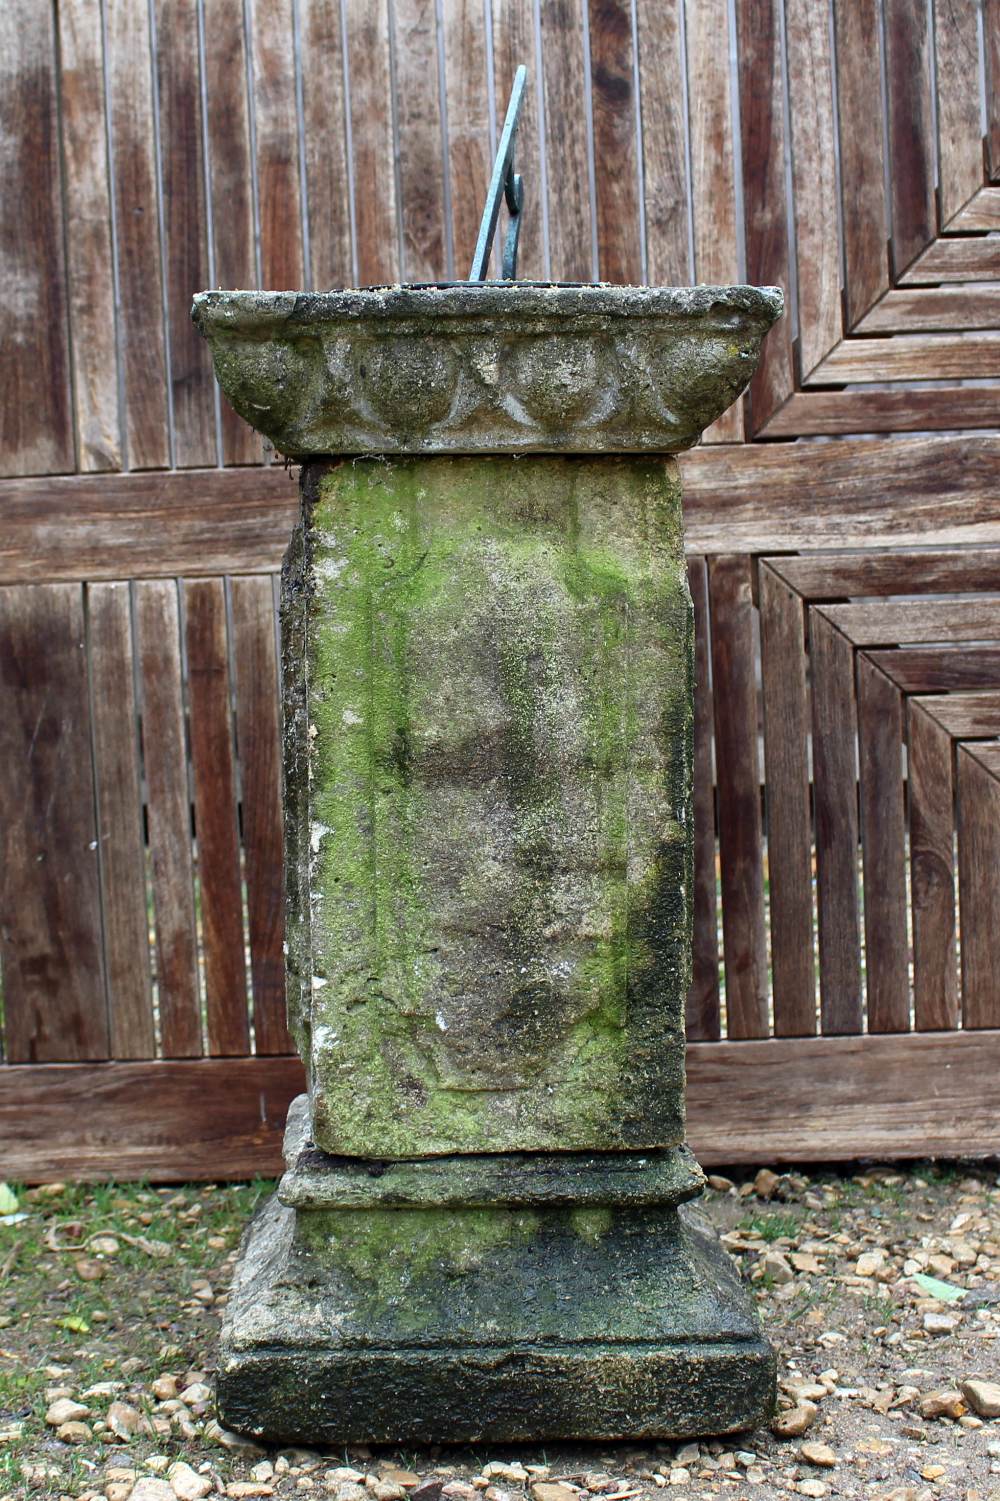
(491, 919)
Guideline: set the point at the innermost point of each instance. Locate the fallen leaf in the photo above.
(934, 1288)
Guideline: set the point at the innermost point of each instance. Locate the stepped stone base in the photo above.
(502, 1299)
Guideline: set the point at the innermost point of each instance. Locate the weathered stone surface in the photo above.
(499, 368)
(488, 793)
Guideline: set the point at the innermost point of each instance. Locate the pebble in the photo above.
(819, 1454)
(811, 1488)
(151, 1489)
(74, 1433)
(942, 1404)
(796, 1421)
(65, 1410)
(551, 1490)
(123, 1420)
(187, 1484)
(940, 1323)
(775, 1264)
(242, 1490)
(236, 1443)
(982, 1396)
(350, 1490)
(679, 1475)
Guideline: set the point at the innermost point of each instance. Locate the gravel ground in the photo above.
(879, 1287)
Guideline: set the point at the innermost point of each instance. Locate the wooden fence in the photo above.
(843, 526)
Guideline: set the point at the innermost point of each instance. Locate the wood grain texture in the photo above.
(982, 212)
(956, 258)
(258, 742)
(918, 621)
(964, 715)
(912, 357)
(36, 422)
(185, 236)
(230, 182)
(370, 104)
(664, 150)
(883, 845)
(889, 1097)
(469, 145)
(615, 112)
(875, 411)
(960, 149)
(737, 770)
(331, 258)
(87, 190)
(566, 124)
(279, 198)
(765, 209)
(213, 775)
(513, 44)
(168, 816)
(812, 111)
(703, 1021)
(991, 34)
(933, 309)
(978, 776)
(121, 849)
(911, 141)
(834, 730)
(941, 669)
(50, 931)
(932, 870)
(421, 144)
(141, 339)
(713, 166)
(785, 699)
(862, 153)
(933, 571)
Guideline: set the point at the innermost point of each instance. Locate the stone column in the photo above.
(488, 702)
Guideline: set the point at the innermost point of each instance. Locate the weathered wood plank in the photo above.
(184, 229)
(991, 35)
(168, 816)
(831, 575)
(324, 128)
(36, 424)
(932, 870)
(615, 111)
(664, 153)
(140, 267)
(834, 726)
(883, 847)
(961, 258)
(122, 855)
(468, 125)
(982, 212)
(862, 149)
(941, 669)
(214, 781)
(713, 166)
(737, 771)
(964, 715)
(829, 412)
(514, 44)
(890, 1096)
(929, 309)
(911, 137)
(762, 135)
(89, 281)
(230, 175)
(420, 142)
(50, 914)
(814, 178)
(978, 887)
(279, 199)
(258, 742)
(960, 144)
(789, 821)
(912, 357)
(375, 208)
(918, 621)
(703, 998)
(566, 129)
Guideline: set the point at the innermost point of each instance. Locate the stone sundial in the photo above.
(487, 683)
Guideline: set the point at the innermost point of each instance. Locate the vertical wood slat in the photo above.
(87, 190)
(991, 34)
(119, 821)
(214, 776)
(979, 889)
(513, 44)
(713, 166)
(911, 142)
(468, 125)
(54, 992)
(859, 90)
(258, 736)
(786, 773)
(612, 64)
(372, 143)
(814, 178)
(932, 872)
(703, 1022)
(420, 141)
(762, 134)
(738, 778)
(140, 311)
(570, 236)
(960, 150)
(279, 198)
(168, 816)
(36, 428)
(324, 122)
(664, 153)
(230, 182)
(831, 659)
(185, 235)
(883, 843)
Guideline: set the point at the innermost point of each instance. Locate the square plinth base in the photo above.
(498, 1324)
